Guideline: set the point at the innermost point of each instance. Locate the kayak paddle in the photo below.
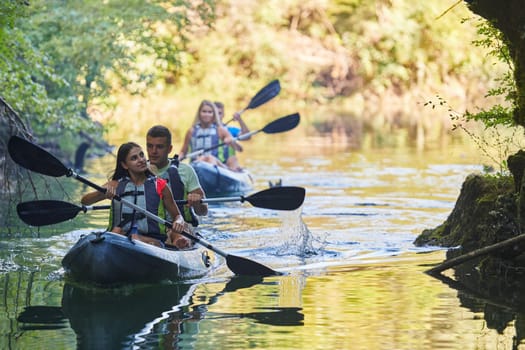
(264, 95)
(279, 125)
(277, 198)
(48, 212)
(35, 158)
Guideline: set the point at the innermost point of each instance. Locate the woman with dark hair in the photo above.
(133, 181)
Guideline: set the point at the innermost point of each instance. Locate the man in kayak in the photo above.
(132, 178)
(181, 177)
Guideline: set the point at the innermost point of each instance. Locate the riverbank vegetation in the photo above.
(349, 67)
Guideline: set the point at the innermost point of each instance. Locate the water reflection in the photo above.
(144, 316)
(115, 319)
(502, 304)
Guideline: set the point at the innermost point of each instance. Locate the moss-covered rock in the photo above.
(485, 213)
(489, 209)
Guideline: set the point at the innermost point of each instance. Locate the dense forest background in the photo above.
(362, 74)
(109, 70)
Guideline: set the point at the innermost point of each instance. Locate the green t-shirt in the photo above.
(187, 175)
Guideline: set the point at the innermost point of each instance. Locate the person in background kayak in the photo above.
(207, 133)
(183, 180)
(233, 162)
(132, 180)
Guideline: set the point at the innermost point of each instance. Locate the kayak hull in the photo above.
(218, 181)
(108, 259)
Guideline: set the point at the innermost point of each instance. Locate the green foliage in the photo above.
(492, 39)
(337, 61)
(496, 115)
(9, 11)
(501, 136)
(119, 44)
(505, 135)
(347, 55)
(24, 72)
(399, 43)
(59, 59)
(496, 144)
(497, 141)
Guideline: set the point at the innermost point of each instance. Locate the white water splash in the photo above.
(298, 239)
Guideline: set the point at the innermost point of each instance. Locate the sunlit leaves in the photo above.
(496, 115)
(58, 58)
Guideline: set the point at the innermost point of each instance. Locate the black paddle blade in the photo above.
(246, 267)
(46, 212)
(282, 124)
(265, 94)
(278, 198)
(35, 158)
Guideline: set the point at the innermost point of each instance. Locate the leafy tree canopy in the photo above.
(60, 59)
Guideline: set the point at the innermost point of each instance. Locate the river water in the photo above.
(354, 278)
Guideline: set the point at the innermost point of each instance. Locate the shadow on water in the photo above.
(109, 319)
(141, 315)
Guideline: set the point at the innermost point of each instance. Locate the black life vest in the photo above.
(179, 191)
(147, 196)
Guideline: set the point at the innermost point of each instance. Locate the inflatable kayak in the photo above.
(218, 181)
(106, 259)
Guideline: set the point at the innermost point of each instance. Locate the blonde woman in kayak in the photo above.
(207, 132)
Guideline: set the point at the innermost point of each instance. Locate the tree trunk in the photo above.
(447, 264)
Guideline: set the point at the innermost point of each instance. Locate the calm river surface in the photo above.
(355, 280)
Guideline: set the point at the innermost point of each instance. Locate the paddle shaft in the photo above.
(238, 138)
(278, 198)
(178, 201)
(264, 95)
(47, 212)
(85, 208)
(239, 113)
(217, 200)
(279, 125)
